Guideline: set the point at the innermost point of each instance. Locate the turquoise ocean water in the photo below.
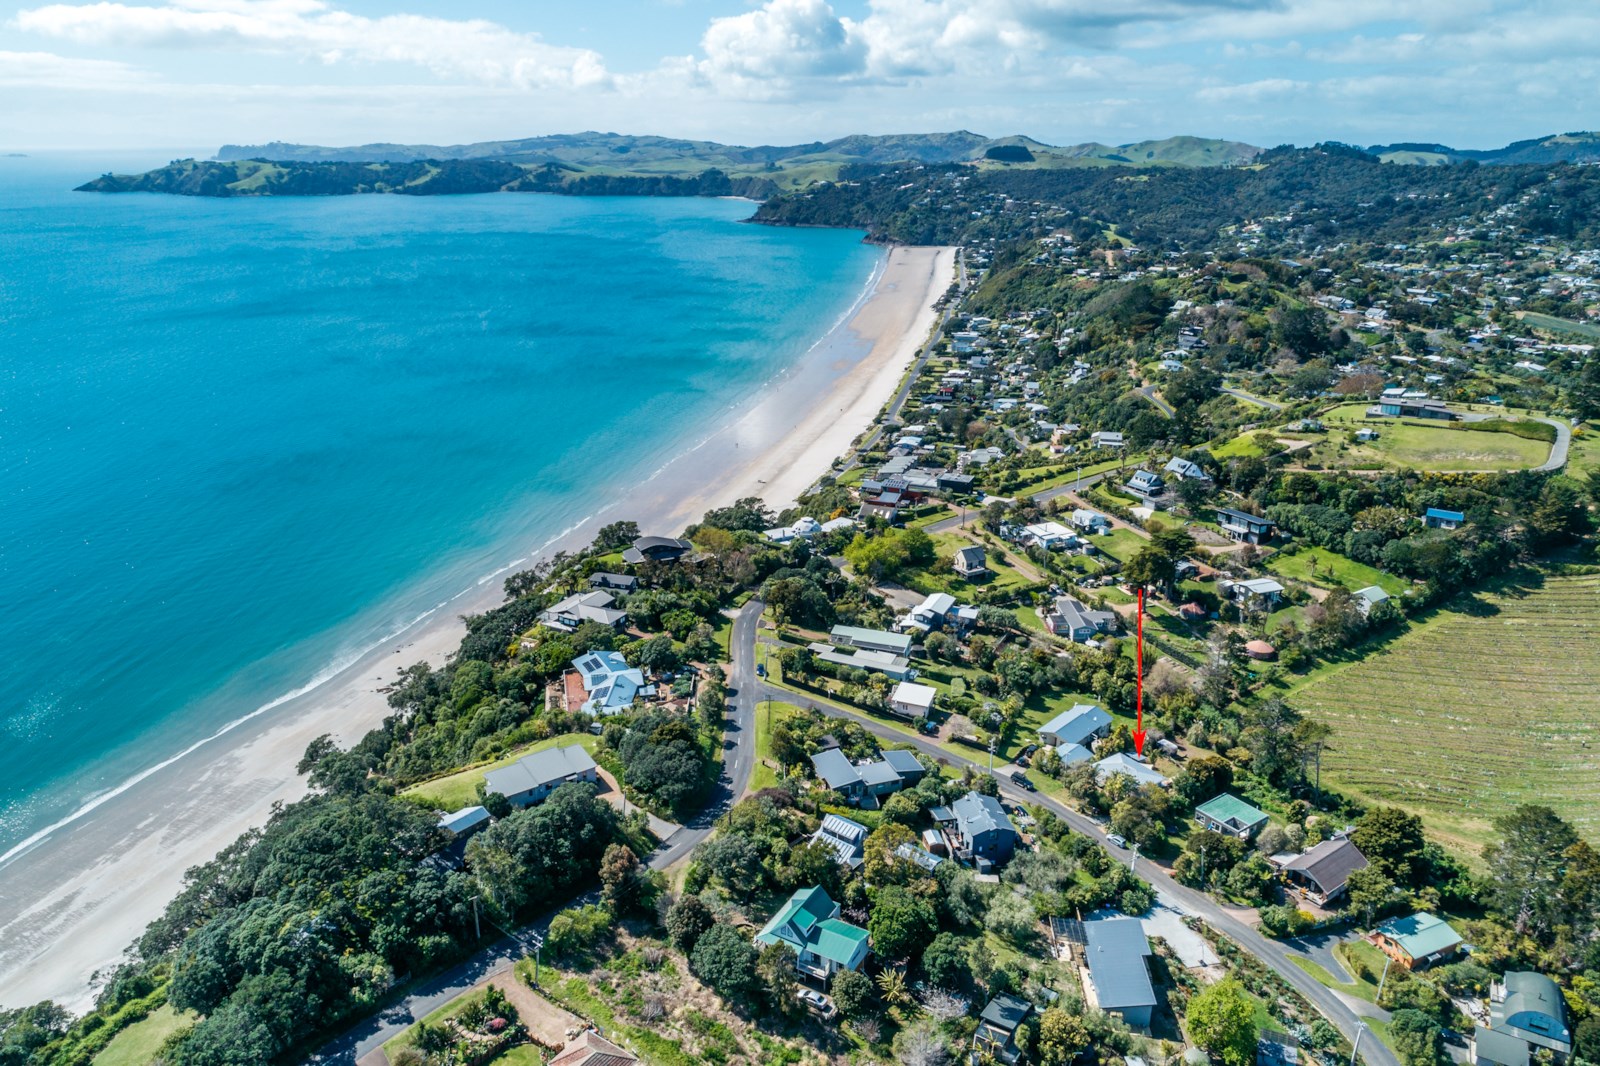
(242, 441)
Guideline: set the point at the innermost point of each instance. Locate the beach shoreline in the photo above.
(78, 897)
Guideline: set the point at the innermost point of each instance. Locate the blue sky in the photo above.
(197, 73)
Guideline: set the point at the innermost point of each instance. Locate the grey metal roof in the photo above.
(1116, 950)
(1533, 1004)
(877, 772)
(976, 813)
(1006, 1012)
(904, 762)
(1494, 1047)
(538, 769)
(1329, 864)
(464, 819)
(835, 769)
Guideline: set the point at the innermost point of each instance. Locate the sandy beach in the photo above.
(72, 903)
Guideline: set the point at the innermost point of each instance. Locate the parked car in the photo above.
(1113, 838)
(817, 1003)
(1021, 779)
(761, 669)
(1030, 749)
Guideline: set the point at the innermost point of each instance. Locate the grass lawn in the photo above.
(1073, 473)
(1502, 688)
(1332, 569)
(1243, 446)
(1451, 450)
(138, 1043)
(768, 714)
(460, 789)
(1120, 544)
(942, 579)
(1560, 325)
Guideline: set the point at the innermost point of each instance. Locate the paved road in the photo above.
(1149, 393)
(739, 754)
(1271, 953)
(1558, 450)
(1254, 400)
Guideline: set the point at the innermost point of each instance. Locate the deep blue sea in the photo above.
(243, 440)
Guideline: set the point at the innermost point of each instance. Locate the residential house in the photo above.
(896, 667)
(845, 838)
(911, 700)
(1146, 484)
(1230, 814)
(954, 483)
(611, 684)
(984, 829)
(462, 826)
(614, 582)
(1366, 436)
(1369, 597)
(1497, 1047)
(1186, 470)
(1091, 521)
(870, 640)
(938, 611)
(1171, 366)
(998, 1025)
(1240, 525)
(823, 944)
(1104, 438)
(863, 782)
(1051, 536)
(1529, 1007)
(589, 1048)
(1439, 518)
(1257, 592)
(1410, 405)
(573, 611)
(1070, 618)
(1320, 874)
(1117, 951)
(657, 550)
(971, 563)
(1417, 940)
(804, 528)
(533, 777)
(1140, 771)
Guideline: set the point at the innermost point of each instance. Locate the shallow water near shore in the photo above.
(241, 441)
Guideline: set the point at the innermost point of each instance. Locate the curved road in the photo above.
(1270, 953)
(738, 759)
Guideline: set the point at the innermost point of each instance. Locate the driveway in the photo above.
(1558, 450)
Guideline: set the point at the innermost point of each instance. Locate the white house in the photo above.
(912, 700)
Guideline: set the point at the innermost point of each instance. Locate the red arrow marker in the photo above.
(1138, 728)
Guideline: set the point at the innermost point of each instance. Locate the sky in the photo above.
(195, 74)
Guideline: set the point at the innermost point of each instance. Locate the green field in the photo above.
(1332, 569)
(768, 714)
(460, 789)
(1492, 703)
(1451, 450)
(1586, 330)
(138, 1043)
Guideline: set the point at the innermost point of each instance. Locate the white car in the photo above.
(817, 1003)
(1113, 838)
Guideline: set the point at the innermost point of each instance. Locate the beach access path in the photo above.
(73, 901)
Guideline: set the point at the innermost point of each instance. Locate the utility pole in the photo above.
(1355, 1047)
(1386, 964)
(991, 755)
(1133, 863)
(538, 947)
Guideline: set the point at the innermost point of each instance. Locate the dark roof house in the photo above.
(1116, 950)
(1321, 873)
(657, 549)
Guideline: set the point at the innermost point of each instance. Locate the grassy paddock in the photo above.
(1333, 569)
(1502, 688)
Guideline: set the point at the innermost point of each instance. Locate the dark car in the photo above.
(1020, 778)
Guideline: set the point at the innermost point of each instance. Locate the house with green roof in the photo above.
(1231, 815)
(823, 944)
(1417, 940)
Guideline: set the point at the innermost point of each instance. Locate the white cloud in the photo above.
(45, 70)
(1267, 89)
(310, 29)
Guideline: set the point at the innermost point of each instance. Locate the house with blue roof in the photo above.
(844, 837)
(984, 829)
(823, 944)
(1439, 518)
(863, 783)
(1081, 724)
(610, 683)
(1116, 950)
